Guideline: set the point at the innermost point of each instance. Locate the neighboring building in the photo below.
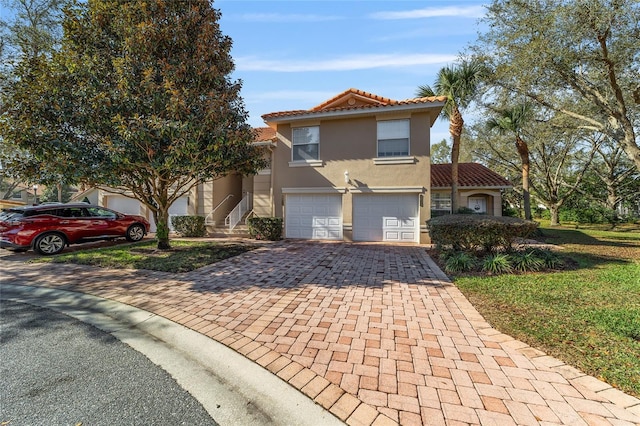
(6, 204)
(355, 167)
(24, 194)
(479, 189)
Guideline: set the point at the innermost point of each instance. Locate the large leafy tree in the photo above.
(560, 157)
(138, 100)
(459, 83)
(576, 57)
(613, 179)
(33, 29)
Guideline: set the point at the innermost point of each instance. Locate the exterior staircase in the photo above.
(235, 223)
(241, 230)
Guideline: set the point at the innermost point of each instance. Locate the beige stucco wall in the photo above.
(492, 197)
(350, 145)
(211, 194)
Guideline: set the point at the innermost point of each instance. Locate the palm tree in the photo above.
(459, 83)
(512, 120)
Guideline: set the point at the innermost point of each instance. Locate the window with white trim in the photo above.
(440, 203)
(393, 138)
(306, 143)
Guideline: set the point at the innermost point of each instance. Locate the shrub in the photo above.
(189, 226)
(497, 264)
(474, 232)
(526, 261)
(459, 262)
(465, 210)
(265, 228)
(588, 212)
(549, 259)
(510, 211)
(445, 254)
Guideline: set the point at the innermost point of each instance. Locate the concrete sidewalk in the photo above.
(373, 333)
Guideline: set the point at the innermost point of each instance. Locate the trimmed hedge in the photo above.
(265, 228)
(478, 232)
(189, 226)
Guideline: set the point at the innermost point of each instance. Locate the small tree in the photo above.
(512, 120)
(138, 100)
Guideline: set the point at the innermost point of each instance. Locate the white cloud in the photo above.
(347, 63)
(277, 17)
(432, 12)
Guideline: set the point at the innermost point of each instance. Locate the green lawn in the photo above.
(589, 317)
(184, 256)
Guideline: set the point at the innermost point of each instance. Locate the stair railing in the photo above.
(238, 211)
(207, 218)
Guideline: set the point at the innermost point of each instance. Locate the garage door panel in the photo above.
(313, 216)
(386, 217)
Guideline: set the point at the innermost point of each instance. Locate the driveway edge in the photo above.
(233, 389)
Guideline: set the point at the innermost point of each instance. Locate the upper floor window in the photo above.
(306, 143)
(393, 138)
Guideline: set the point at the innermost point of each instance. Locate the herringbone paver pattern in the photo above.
(374, 333)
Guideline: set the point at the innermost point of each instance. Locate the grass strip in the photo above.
(184, 256)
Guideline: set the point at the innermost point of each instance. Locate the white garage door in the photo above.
(317, 216)
(127, 205)
(386, 217)
(123, 204)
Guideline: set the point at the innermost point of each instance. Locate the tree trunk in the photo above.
(9, 191)
(455, 128)
(523, 150)
(162, 228)
(59, 192)
(555, 215)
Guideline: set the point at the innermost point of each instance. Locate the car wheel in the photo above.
(135, 232)
(49, 244)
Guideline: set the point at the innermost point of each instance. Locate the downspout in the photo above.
(271, 182)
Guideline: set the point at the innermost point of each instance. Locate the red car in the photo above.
(47, 229)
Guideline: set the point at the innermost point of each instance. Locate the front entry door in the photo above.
(478, 205)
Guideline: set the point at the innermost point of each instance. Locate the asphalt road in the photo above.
(59, 371)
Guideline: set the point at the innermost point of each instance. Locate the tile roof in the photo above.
(469, 175)
(264, 134)
(354, 99)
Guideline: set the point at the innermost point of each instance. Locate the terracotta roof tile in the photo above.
(354, 99)
(355, 94)
(264, 134)
(469, 175)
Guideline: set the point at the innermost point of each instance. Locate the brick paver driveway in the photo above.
(374, 333)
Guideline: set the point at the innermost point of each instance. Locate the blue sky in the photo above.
(296, 54)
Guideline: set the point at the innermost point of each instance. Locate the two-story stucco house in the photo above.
(355, 167)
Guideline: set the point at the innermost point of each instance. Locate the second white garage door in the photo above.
(386, 217)
(123, 204)
(313, 216)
